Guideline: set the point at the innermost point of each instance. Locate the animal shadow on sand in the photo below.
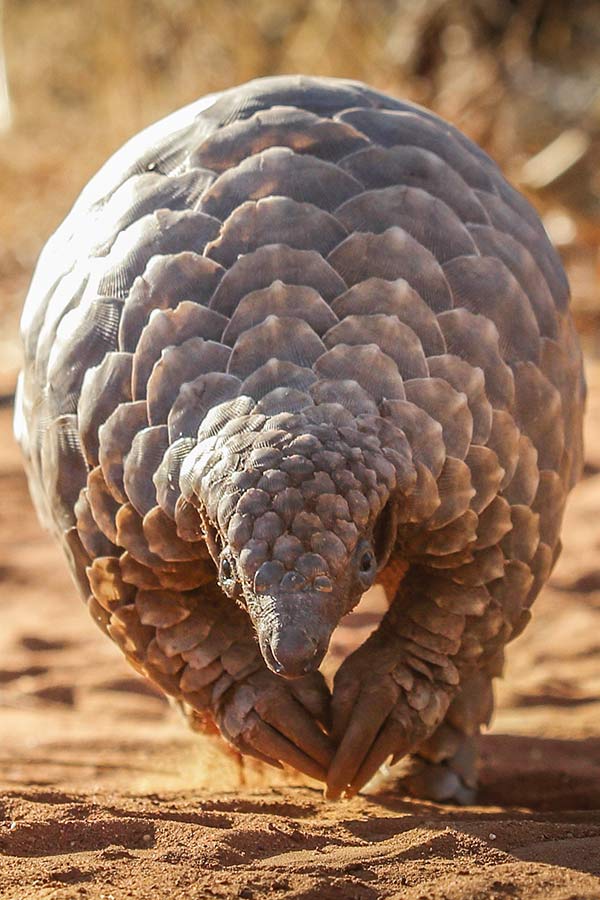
(549, 793)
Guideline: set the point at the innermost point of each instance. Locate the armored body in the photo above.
(298, 339)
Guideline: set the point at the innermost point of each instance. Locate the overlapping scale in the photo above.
(195, 400)
(507, 307)
(162, 537)
(163, 284)
(169, 328)
(147, 450)
(289, 339)
(275, 220)
(280, 299)
(518, 259)
(397, 341)
(486, 476)
(115, 437)
(105, 387)
(475, 339)
(275, 262)
(142, 195)
(448, 407)
(424, 432)
(178, 365)
(276, 373)
(376, 296)
(367, 364)
(397, 129)
(95, 542)
(533, 239)
(85, 335)
(158, 234)
(392, 254)
(103, 506)
(470, 381)
(279, 171)
(427, 219)
(539, 414)
(280, 126)
(64, 471)
(379, 167)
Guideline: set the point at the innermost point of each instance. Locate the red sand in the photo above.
(104, 794)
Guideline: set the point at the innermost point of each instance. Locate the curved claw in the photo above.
(313, 693)
(271, 743)
(282, 711)
(345, 698)
(262, 717)
(246, 750)
(389, 741)
(369, 714)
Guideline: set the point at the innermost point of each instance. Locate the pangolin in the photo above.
(296, 339)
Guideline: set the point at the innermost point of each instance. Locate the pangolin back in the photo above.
(287, 246)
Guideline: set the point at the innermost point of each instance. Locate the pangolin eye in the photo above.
(226, 570)
(227, 577)
(367, 566)
(367, 561)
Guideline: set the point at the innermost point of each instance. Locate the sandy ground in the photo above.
(104, 794)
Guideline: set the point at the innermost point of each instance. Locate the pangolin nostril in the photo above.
(294, 653)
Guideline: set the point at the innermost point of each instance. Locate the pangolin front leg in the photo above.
(201, 650)
(214, 667)
(392, 695)
(444, 768)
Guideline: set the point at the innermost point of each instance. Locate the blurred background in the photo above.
(81, 76)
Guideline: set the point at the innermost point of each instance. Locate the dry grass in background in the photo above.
(522, 78)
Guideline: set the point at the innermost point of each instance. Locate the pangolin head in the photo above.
(298, 516)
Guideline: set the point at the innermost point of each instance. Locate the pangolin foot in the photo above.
(431, 774)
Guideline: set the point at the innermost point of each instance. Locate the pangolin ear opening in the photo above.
(222, 559)
(385, 533)
(212, 538)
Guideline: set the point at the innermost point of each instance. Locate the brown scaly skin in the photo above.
(297, 339)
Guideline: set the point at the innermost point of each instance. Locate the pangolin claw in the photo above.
(263, 716)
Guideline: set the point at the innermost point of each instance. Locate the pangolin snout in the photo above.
(291, 653)
(293, 631)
